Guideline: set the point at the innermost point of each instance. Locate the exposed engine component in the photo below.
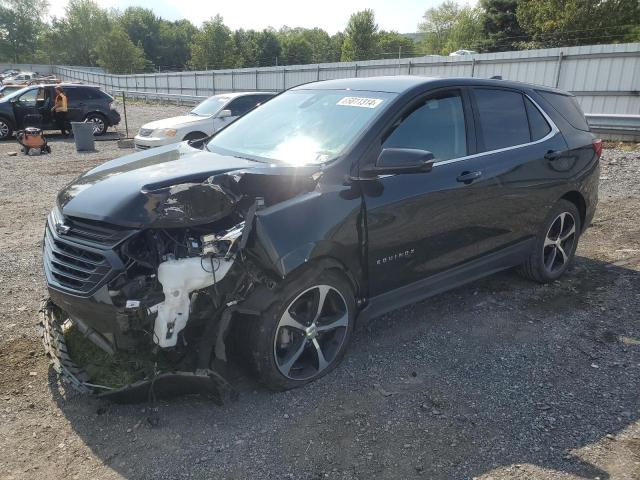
(179, 278)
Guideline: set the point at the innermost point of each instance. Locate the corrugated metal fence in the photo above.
(604, 78)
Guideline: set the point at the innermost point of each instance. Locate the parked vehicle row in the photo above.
(333, 202)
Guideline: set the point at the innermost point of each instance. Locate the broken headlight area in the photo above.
(166, 310)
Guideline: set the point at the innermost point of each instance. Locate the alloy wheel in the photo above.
(311, 332)
(4, 130)
(559, 242)
(98, 125)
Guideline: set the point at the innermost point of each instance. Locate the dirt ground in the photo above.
(499, 379)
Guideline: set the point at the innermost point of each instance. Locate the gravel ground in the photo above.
(499, 379)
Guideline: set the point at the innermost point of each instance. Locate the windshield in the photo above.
(210, 106)
(302, 127)
(15, 93)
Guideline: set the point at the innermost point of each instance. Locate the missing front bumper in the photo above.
(160, 385)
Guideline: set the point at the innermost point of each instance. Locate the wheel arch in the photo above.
(323, 263)
(195, 132)
(578, 200)
(98, 112)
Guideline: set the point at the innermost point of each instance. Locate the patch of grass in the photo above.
(115, 371)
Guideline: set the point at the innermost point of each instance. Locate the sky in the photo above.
(331, 15)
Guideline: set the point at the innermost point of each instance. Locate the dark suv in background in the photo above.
(85, 103)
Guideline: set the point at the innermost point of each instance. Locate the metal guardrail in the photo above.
(615, 126)
(179, 99)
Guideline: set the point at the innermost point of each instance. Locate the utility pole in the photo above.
(399, 52)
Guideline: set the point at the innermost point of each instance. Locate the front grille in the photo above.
(83, 230)
(72, 266)
(81, 259)
(145, 132)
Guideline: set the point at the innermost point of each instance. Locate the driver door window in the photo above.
(437, 125)
(28, 99)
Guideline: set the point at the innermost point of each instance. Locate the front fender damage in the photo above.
(184, 285)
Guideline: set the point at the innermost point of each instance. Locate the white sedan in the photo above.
(204, 120)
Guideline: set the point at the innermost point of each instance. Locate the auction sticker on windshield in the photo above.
(359, 102)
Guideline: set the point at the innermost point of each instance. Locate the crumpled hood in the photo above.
(175, 122)
(175, 186)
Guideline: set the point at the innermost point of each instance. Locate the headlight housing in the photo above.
(166, 132)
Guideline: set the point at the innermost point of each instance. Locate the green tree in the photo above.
(118, 54)
(212, 46)
(554, 23)
(394, 45)
(467, 31)
(360, 39)
(334, 54)
(320, 44)
(74, 37)
(450, 27)
(174, 48)
(21, 26)
(246, 47)
(500, 26)
(269, 48)
(296, 50)
(143, 28)
(437, 25)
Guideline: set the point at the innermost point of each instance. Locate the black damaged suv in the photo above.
(334, 202)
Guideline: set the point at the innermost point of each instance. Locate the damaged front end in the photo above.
(161, 292)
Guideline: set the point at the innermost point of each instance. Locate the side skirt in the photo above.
(501, 260)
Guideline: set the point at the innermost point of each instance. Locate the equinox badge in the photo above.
(396, 256)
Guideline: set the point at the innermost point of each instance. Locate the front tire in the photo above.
(99, 123)
(555, 244)
(194, 136)
(305, 333)
(6, 129)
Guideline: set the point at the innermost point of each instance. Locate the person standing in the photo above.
(60, 110)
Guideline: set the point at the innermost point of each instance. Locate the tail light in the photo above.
(597, 146)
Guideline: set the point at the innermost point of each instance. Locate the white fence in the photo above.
(604, 78)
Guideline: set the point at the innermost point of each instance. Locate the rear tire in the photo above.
(555, 245)
(294, 342)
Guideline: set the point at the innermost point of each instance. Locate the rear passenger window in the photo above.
(568, 107)
(503, 118)
(537, 123)
(73, 94)
(437, 126)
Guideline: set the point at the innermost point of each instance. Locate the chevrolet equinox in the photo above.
(334, 202)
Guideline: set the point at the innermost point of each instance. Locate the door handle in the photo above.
(468, 177)
(552, 155)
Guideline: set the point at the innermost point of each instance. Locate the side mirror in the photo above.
(224, 114)
(399, 160)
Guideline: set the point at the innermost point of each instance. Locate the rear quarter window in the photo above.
(538, 124)
(568, 107)
(78, 93)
